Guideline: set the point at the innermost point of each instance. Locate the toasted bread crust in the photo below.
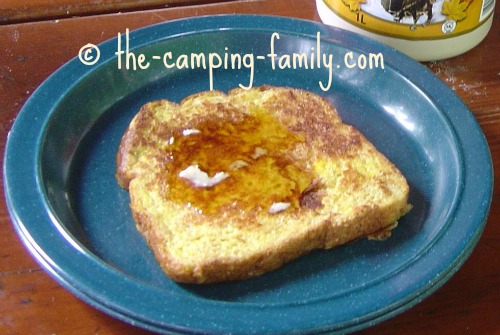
(324, 236)
(360, 192)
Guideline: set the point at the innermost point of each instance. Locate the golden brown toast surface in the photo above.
(229, 186)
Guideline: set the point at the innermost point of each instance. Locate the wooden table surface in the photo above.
(15, 11)
(31, 302)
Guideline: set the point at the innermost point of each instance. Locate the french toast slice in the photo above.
(230, 186)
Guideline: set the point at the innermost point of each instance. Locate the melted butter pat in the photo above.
(200, 178)
(252, 154)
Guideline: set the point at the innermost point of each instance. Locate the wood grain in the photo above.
(16, 11)
(31, 302)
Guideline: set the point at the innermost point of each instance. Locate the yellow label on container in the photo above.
(414, 19)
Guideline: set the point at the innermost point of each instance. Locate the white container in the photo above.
(441, 28)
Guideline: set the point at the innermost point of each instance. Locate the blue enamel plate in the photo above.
(75, 220)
